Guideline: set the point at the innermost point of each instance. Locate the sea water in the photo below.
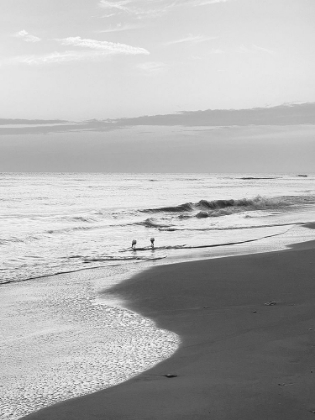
(61, 222)
(58, 338)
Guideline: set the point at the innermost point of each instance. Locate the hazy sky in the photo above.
(101, 65)
(81, 59)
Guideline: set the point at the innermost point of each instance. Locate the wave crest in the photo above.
(151, 222)
(217, 208)
(172, 209)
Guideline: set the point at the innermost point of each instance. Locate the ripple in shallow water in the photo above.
(60, 344)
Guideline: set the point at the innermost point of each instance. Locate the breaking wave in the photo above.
(84, 219)
(14, 239)
(171, 209)
(250, 178)
(172, 229)
(217, 208)
(151, 222)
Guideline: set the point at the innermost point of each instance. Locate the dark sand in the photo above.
(248, 343)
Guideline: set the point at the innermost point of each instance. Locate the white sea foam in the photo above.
(59, 340)
(54, 223)
(70, 222)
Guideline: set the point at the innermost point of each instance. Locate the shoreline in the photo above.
(295, 232)
(247, 326)
(199, 253)
(54, 334)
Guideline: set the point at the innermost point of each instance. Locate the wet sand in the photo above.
(59, 340)
(247, 326)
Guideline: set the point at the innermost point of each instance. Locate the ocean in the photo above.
(63, 222)
(63, 336)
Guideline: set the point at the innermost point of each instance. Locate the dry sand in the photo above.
(247, 326)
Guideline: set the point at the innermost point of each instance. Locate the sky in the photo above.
(100, 66)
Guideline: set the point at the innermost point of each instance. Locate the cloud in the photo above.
(25, 122)
(22, 126)
(216, 51)
(242, 49)
(206, 2)
(51, 58)
(107, 16)
(198, 3)
(281, 115)
(120, 27)
(119, 5)
(63, 57)
(192, 39)
(266, 50)
(151, 8)
(101, 50)
(26, 36)
(139, 8)
(105, 46)
(152, 67)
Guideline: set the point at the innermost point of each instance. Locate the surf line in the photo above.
(237, 243)
(213, 245)
(228, 228)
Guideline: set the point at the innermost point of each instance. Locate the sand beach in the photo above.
(247, 329)
(157, 202)
(84, 316)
